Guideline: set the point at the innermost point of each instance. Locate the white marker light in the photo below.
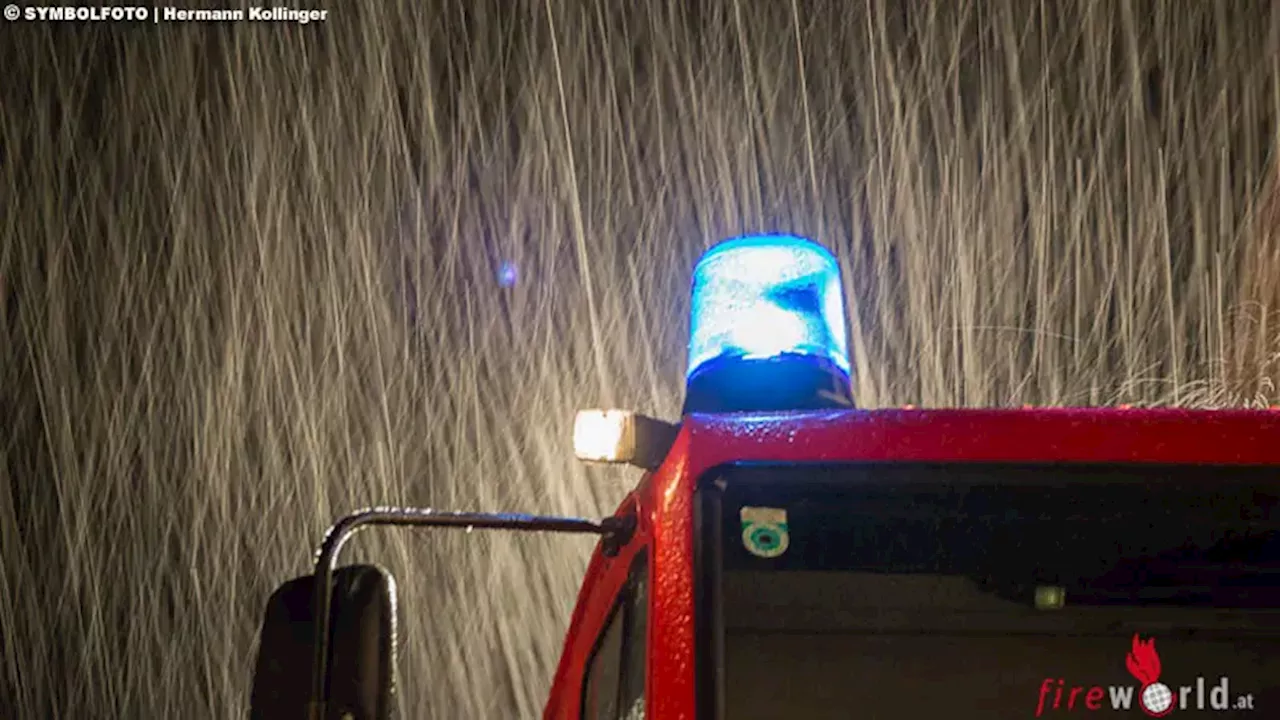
(622, 436)
(604, 435)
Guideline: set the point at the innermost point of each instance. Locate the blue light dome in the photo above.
(772, 303)
(765, 296)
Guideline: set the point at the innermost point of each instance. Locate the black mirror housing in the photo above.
(362, 651)
(344, 669)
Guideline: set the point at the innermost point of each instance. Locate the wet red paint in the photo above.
(665, 497)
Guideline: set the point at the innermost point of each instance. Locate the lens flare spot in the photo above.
(508, 274)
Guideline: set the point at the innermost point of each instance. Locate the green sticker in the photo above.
(764, 531)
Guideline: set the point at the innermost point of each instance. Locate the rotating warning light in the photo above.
(768, 328)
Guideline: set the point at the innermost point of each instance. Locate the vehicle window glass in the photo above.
(615, 682)
(603, 673)
(991, 582)
(635, 645)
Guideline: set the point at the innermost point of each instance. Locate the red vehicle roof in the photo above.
(1092, 435)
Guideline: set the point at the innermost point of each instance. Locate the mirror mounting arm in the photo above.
(616, 531)
(619, 531)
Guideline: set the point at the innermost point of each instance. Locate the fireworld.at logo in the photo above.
(1155, 698)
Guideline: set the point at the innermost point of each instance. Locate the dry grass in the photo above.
(248, 277)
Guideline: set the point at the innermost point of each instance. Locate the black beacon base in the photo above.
(785, 382)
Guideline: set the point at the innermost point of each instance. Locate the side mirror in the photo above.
(344, 669)
(361, 649)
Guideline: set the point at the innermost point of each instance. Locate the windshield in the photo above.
(908, 591)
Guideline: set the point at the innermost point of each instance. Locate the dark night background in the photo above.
(255, 275)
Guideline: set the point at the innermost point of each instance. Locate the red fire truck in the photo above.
(787, 555)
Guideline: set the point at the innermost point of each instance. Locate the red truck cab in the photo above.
(788, 555)
(646, 626)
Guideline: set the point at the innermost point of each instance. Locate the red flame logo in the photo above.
(1143, 663)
